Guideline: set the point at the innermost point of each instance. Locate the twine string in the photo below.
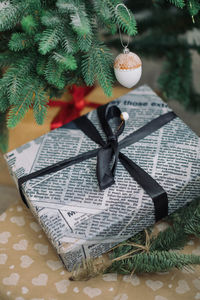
(120, 34)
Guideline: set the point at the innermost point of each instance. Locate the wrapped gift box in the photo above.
(80, 219)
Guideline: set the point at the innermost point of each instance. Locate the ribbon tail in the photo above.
(105, 176)
(150, 185)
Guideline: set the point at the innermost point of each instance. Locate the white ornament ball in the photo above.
(128, 68)
(124, 116)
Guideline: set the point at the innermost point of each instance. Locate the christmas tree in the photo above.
(49, 44)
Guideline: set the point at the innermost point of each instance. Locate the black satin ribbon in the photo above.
(109, 154)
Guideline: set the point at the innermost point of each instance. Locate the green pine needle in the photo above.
(96, 65)
(54, 74)
(7, 58)
(193, 227)
(156, 261)
(15, 84)
(178, 3)
(29, 24)
(41, 65)
(15, 77)
(3, 133)
(78, 15)
(67, 61)
(49, 39)
(173, 238)
(193, 7)
(18, 111)
(69, 43)
(19, 42)
(84, 42)
(4, 102)
(50, 19)
(176, 78)
(40, 105)
(124, 20)
(10, 14)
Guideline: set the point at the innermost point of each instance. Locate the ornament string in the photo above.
(120, 34)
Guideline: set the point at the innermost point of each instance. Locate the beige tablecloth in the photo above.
(31, 270)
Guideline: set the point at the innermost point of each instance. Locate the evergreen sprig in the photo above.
(94, 65)
(177, 79)
(148, 251)
(19, 42)
(3, 133)
(10, 14)
(178, 3)
(161, 253)
(40, 105)
(17, 111)
(156, 261)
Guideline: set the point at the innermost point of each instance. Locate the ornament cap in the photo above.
(126, 50)
(124, 116)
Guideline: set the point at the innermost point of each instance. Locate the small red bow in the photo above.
(71, 110)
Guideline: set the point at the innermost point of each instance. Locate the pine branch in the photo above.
(49, 39)
(156, 261)
(176, 78)
(121, 17)
(54, 74)
(84, 42)
(3, 133)
(178, 3)
(173, 238)
(19, 42)
(193, 7)
(193, 224)
(78, 15)
(18, 111)
(103, 72)
(105, 15)
(15, 77)
(29, 24)
(66, 61)
(68, 41)
(4, 103)
(88, 69)
(95, 65)
(7, 58)
(51, 19)
(10, 14)
(33, 5)
(41, 65)
(40, 105)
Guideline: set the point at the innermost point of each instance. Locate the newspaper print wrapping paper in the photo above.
(78, 218)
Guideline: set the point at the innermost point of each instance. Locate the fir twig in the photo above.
(147, 252)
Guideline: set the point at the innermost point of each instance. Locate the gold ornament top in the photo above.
(127, 61)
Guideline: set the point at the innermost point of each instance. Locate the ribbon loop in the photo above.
(107, 157)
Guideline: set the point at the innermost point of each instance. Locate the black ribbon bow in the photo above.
(109, 154)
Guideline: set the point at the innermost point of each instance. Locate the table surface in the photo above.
(31, 270)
